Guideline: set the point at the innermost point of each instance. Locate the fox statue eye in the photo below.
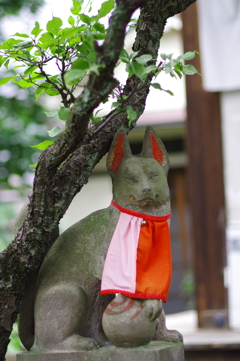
(154, 176)
(131, 180)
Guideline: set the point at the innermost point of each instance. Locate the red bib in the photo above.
(138, 263)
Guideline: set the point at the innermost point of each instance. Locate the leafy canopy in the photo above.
(73, 51)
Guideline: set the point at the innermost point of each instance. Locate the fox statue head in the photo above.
(140, 181)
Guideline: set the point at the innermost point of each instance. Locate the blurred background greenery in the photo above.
(12, 7)
(22, 124)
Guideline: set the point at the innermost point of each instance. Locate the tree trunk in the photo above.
(65, 166)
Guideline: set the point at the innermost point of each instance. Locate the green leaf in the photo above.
(40, 90)
(85, 18)
(92, 56)
(169, 56)
(82, 64)
(129, 69)
(36, 76)
(6, 80)
(178, 72)
(189, 69)
(138, 69)
(83, 49)
(64, 113)
(156, 86)
(9, 44)
(105, 9)
(36, 30)
(6, 63)
(54, 132)
(124, 56)
(151, 68)
(23, 83)
(124, 53)
(189, 55)
(24, 54)
(2, 60)
(73, 41)
(21, 35)
(95, 68)
(143, 59)
(115, 104)
(98, 112)
(96, 120)
(33, 165)
(47, 40)
(166, 56)
(19, 66)
(99, 27)
(131, 114)
(74, 75)
(169, 92)
(54, 25)
(30, 70)
(71, 20)
(51, 113)
(133, 54)
(98, 36)
(168, 68)
(76, 8)
(23, 44)
(52, 92)
(68, 33)
(125, 60)
(44, 145)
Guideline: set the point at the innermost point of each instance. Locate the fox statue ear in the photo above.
(119, 150)
(153, 147)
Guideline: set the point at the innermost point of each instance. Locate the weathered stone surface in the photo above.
(155, 351)
(125, 322)
(68, 307)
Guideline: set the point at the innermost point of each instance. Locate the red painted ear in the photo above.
(153, 147)
(118, 151)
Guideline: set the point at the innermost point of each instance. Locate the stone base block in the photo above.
(155, 351)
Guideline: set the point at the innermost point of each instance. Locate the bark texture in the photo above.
(66, 166)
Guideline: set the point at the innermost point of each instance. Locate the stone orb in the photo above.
(125, 322)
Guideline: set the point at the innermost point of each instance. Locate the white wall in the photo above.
(97, 194)
(230, 107)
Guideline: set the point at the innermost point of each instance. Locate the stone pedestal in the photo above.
(155, 351)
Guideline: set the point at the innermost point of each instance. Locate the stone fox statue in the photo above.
(68, 306)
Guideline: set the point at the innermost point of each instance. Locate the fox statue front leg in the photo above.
(60, 314)
(163, 334)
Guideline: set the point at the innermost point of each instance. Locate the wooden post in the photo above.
(205, 180)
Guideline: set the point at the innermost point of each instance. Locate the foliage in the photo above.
(73, 50)
(22, 124)
(21, 119)
(13, 6)
(188, 288)
(7, 215)
(15, 345)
